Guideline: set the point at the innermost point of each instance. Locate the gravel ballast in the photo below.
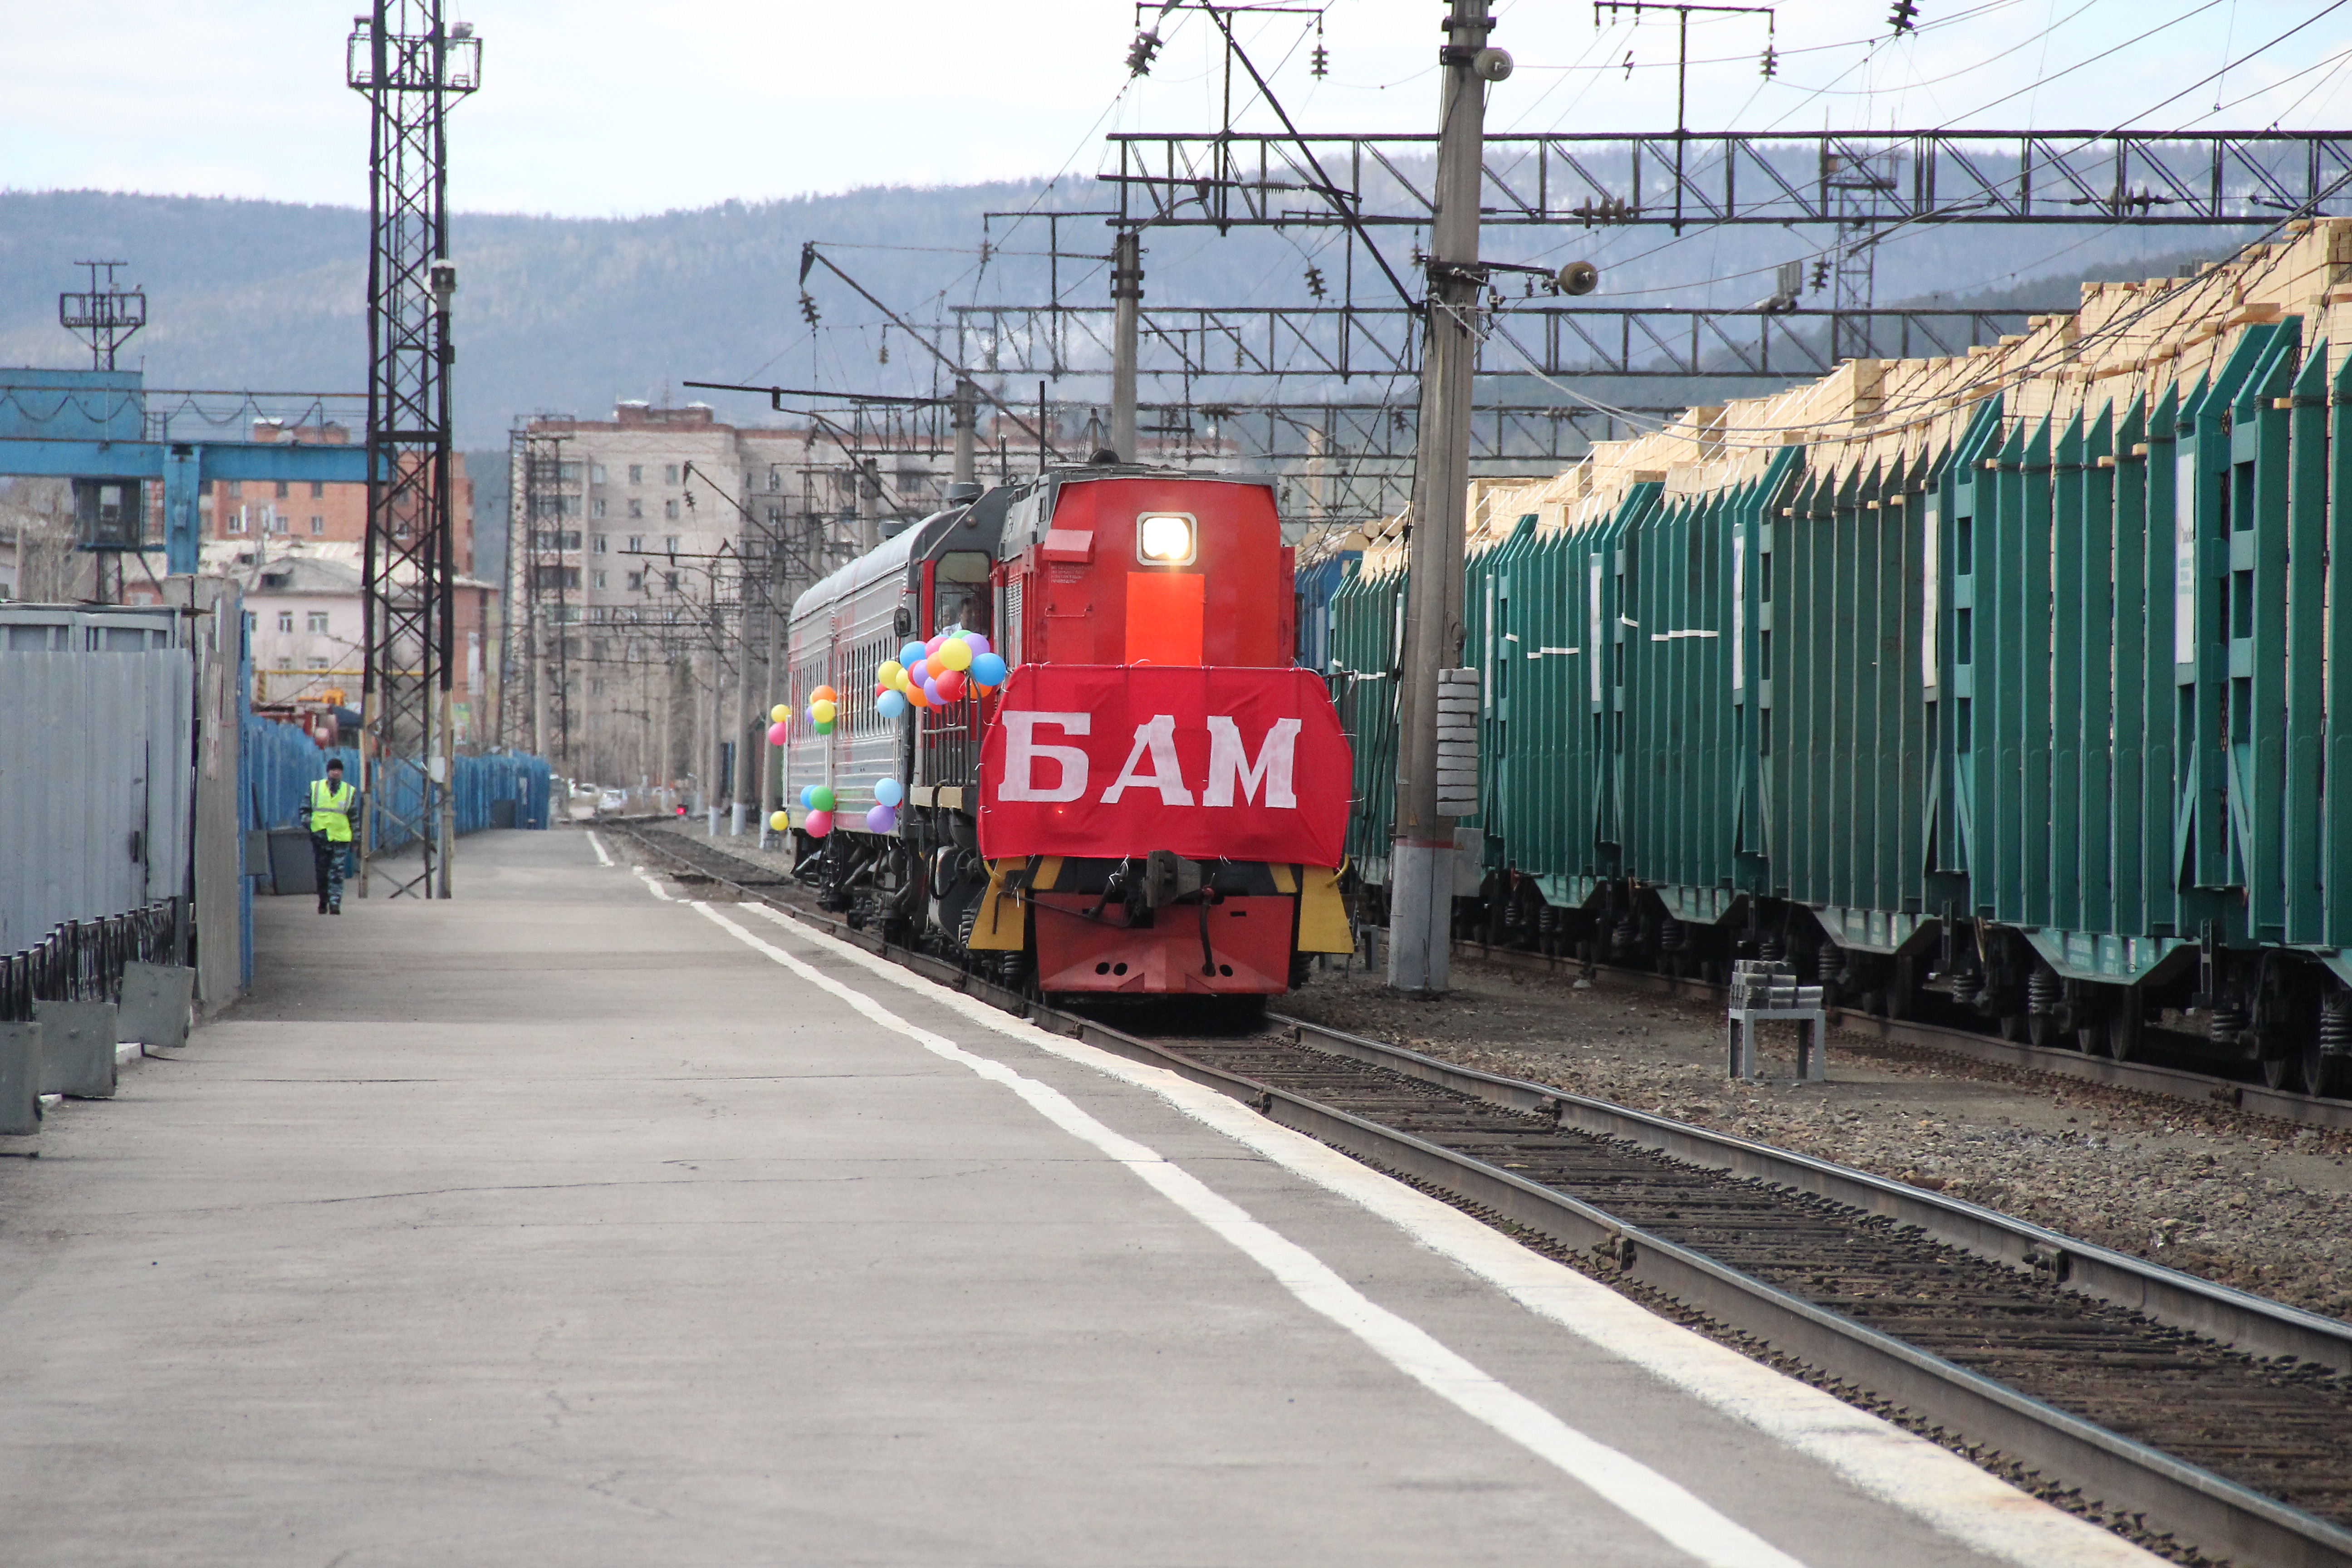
(2242, 1200)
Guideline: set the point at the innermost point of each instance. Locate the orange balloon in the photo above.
(824, 694)
(913, 694)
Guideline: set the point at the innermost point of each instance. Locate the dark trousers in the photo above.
(328, 857)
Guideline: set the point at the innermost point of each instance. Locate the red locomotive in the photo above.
(1153, 798)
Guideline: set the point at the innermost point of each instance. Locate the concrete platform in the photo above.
(560, 1224)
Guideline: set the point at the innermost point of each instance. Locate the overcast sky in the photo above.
(592, 107)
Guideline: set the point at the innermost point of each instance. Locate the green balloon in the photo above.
(821, 797)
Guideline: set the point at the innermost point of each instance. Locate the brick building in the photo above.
(272, 511)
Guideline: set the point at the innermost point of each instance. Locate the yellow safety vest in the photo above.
(330, 808)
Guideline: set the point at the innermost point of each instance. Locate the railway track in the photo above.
(2172, 1406)
(2146, 1078)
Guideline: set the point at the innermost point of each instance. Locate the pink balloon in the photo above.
(778, 733)
(932, 645)
(817, 824)
(949, 684)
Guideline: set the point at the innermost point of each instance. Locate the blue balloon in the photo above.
(889, 792)
(890, 704)
(808, 797)
(988, 668)
(911, 652)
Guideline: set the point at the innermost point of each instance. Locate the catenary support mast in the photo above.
(409, 66)
(1421, 864)
(1127, 303)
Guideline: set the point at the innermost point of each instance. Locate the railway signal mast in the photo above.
(1420, 862)
(409, 66)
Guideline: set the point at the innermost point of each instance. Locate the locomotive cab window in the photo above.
(1166, 537)
(960, 592)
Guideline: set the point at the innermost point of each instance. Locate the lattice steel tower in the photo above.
(410, 68)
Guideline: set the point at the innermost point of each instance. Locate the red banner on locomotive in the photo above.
(1239, 765)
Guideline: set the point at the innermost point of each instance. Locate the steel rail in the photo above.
(2235, 1318)
(2218, 1515)
(2174, 1083)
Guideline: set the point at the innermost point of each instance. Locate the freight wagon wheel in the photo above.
(2327, 1048)
(2012, 1026)
(2327, 1073)
(2127, 1031)
(2093, 1040)
(2283, 1072)
(2042, 1029)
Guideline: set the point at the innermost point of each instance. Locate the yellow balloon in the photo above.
(888, 671)
(822, 711)
(781, 713)
(954, 654)
(779, 823)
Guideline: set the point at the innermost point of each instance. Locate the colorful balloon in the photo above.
(824, 727)
(820, 799)
(881, 819)
(824, 711)
(890, 704)
(779, 733)
(916, 695)
(954, 654)
(817, 824)
(933, 645)
(977, 643)
(782, 713)
(779, 823)
(886, 673)
(889, 792)
(920, 670)
(988, 668)
(949, 684)
(911, 652)
(824, 694)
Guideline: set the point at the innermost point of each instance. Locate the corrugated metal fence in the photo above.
(95, 786)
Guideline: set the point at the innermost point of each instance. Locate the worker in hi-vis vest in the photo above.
(328, 815)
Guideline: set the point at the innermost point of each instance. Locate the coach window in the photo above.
(960, 596)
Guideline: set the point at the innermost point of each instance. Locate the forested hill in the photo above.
(571, 313)
(553, 313)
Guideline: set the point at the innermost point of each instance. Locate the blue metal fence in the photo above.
(281, 760)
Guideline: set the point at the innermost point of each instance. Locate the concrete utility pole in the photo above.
(1421, 861)
(869, 503)
(967, 433)
(714, 771)
(745, 786)
(1127, 304)
(771, 777)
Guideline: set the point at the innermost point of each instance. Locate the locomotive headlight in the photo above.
(1164, 539)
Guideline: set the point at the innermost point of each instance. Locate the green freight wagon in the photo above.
(2002, 689)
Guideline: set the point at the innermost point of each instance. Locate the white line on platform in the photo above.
(1656, 1501)
(598, 845)
(1927, 1481)
(659, 891)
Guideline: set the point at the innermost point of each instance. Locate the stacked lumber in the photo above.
(2128, 338)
